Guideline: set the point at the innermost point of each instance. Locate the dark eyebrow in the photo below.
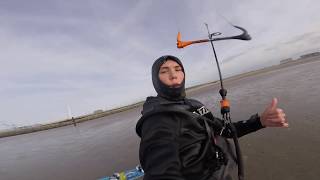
(164, 68)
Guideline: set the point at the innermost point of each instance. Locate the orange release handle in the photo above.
(225, 103)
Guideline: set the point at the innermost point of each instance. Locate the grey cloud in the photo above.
(98, 54)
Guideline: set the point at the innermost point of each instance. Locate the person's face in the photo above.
(171, 74)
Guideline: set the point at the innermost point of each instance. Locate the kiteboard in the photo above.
(131, 174)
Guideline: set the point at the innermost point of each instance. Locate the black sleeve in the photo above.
(245, 127)
(159, 149)
(248, 126)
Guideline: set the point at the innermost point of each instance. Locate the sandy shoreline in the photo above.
(99, 114)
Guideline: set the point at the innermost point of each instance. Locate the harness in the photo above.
(212, 154)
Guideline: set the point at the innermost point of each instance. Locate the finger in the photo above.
(276, 111)
(276, 115)
(274, 104)
(277, 124)
(279, 110)
(276, 120)
(273, 113)
(274, 124)
(284, 120)
(285, 125)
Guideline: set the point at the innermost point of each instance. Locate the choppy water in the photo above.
(101, 147)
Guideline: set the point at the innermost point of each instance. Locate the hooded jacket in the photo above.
(180, 138)
(174, 141)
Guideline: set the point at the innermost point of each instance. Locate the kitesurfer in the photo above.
(181, 139)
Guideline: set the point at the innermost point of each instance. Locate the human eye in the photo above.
(178, 68)
(164, 70)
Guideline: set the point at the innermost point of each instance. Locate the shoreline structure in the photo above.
(99, 113)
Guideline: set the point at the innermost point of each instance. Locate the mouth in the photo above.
(175, 86)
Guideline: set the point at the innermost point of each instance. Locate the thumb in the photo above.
(274, 104)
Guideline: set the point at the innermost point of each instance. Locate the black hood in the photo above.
(163, 90)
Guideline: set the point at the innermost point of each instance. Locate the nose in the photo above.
(172, 74)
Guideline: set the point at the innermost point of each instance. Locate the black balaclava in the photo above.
(163, 90)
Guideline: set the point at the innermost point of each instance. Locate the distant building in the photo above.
(286, 61)
(98, 111)
(314, 54)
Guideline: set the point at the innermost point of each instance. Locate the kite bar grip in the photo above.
(182, 44)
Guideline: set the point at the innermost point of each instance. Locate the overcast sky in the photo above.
(87, 55)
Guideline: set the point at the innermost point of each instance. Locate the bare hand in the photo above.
(273, 116)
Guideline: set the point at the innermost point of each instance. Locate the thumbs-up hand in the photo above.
(273, 116)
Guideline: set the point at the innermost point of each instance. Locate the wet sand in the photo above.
(100, 147)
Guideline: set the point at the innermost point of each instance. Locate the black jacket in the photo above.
(176, 143)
